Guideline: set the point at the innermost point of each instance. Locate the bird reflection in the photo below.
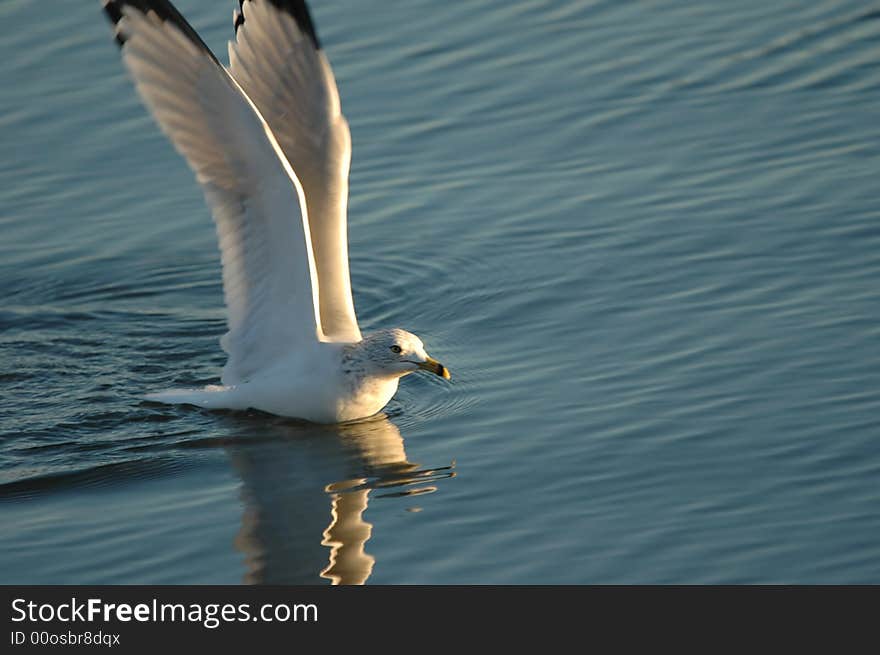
(305, 489)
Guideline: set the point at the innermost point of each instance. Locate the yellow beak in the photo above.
(435, 367)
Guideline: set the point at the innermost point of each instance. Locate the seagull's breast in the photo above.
(365, 396)
(323, 385)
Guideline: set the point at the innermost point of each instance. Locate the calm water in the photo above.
(644, 236)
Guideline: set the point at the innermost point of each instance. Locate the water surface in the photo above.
(642, 235)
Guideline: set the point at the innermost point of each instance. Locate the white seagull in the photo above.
(271, 149)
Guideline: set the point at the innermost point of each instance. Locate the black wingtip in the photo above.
(166, 12)
(297, 9)
(114, 14)
(237, 19)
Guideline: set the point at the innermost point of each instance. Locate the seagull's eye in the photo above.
(396, 349)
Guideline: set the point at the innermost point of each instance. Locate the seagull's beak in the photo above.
(431, 364)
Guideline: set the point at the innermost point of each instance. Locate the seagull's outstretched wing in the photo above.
(278, 61)
(254, 195)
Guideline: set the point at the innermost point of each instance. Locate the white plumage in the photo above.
(271, 149)
(290, 80)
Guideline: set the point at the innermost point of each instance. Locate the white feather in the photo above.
(292, 84)
(255, 197)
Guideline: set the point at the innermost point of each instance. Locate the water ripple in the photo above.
(642, 236)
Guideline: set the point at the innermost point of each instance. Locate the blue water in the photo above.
(644, 237)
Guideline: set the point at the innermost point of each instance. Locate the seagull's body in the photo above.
(332, 383)
(271, 149)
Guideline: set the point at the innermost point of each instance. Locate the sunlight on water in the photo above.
(282, 497)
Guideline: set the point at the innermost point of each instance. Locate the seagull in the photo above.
(269, 146)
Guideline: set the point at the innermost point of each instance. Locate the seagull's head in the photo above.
(397, 352)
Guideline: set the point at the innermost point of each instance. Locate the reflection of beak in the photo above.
(431, 364)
